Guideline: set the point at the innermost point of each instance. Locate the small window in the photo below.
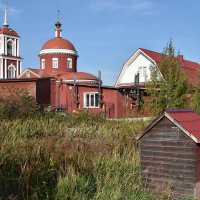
(91, 100)
(69, 63)
(11, 71)
(55, 62)
(43, 63)
(9, 48)
(145, 72)
(140, 71)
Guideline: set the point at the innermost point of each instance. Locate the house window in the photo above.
(140, 71)
(43, 63)
(9, 48)
(145, 73)
(11, 71)
(55, 62)
(91, 100)
(69, 63)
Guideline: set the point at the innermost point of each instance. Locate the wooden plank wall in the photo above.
(168, 158)
(197, 189)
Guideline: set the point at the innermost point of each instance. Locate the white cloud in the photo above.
(14, 11)
(11, 11)
(135, 6)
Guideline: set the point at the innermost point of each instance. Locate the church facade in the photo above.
(10, 60)
(58, 83)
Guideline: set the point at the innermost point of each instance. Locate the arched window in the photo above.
(9, 48)
(11, 71)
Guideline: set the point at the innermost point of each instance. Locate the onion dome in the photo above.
(58, 44)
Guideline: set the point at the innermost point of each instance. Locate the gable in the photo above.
(127, 74)
(138, 62)
(166, 130)
(187, 120)
(29, 73)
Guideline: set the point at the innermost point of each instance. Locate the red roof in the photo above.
(8, 31)
(82, 76)
(79, 76)
(186, 120)
(58, 43)
(189, 67)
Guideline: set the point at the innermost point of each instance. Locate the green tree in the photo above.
(169, 84)
(196, 96)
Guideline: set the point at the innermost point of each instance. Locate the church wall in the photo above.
(37, 88)
(62, 62)
(8, 87)
(113, 103)
(43, 88)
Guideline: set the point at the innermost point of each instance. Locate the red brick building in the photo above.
(58, 83)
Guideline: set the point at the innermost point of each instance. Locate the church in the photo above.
(58, 83)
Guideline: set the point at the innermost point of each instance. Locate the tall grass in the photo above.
(44, 156)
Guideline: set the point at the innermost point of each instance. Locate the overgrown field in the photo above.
(77, 158)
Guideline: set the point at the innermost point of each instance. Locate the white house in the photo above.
(142, 61)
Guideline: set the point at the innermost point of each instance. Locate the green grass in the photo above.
(76, 158)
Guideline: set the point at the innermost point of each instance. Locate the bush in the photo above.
(19, 104)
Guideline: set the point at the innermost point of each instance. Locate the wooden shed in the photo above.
(170, 152)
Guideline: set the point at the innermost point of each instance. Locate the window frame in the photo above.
(145, 73)
(43, 63)
(10, 47)
(88, 99)
(11, 73)
(69, 63)
(55, 63)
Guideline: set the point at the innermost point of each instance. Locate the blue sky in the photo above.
(106, 32)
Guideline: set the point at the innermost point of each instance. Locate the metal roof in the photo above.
(185, 119)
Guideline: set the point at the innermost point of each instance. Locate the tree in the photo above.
(196, 96)
(168, 86)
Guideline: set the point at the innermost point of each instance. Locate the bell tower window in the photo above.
(10, 48)
(11, 71)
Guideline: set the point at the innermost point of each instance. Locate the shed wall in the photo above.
(168, 159)
(197, 189)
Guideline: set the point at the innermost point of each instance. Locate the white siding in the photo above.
(140, 64)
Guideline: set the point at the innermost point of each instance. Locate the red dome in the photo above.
(58, 43)
(8, 31)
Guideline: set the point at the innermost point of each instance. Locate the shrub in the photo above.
(18, 104)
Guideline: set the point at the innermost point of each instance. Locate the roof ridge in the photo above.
(170, 110)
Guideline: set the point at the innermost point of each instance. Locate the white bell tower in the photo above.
(10, 60)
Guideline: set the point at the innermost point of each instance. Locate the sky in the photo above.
(106, 33)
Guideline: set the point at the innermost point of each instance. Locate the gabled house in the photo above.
(170, 152)
(141, 62)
